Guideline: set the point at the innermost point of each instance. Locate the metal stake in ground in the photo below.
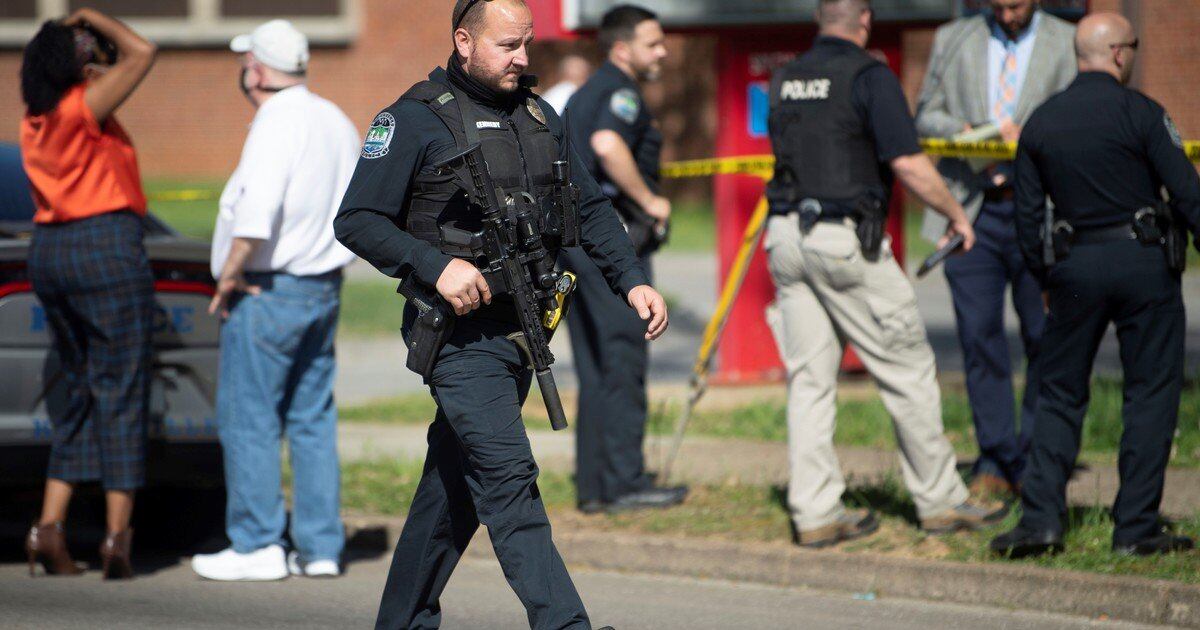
(698, 383)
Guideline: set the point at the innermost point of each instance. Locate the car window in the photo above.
(16, 202)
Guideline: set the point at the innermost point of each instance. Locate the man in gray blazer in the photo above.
(986, 76)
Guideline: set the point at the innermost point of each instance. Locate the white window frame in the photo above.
(203, 28)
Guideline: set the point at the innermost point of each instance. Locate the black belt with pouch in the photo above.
(431, 329)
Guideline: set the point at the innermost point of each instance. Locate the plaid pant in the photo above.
(95, 283)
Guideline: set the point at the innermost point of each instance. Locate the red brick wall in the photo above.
(189, 120)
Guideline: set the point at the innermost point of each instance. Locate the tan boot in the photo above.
(853, 524)
(986, 486)
(972, 514)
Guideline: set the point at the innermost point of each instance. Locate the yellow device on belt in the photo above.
(562, 291)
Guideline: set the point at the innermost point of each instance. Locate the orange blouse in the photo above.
(78, 167)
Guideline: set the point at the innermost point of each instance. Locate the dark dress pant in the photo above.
(979, 281)
(609, 347)
(1127, 284)
(479, 470)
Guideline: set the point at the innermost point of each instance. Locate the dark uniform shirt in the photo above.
(1101, 152)
(371, 219)
(883, 108)
(611, 100)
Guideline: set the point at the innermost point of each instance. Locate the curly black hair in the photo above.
(49, 68)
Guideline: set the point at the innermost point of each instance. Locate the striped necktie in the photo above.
(1006, 104)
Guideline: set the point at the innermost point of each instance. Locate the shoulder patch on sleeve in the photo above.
(1173, 131)
(379, 136)
(626, 105)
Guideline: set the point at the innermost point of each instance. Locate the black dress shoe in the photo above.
(1165, 542)
(650, 498)
(1023, 543)
(591, 507)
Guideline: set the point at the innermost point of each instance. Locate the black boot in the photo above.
(650, 498)
(1164, 542)
(1024, 543)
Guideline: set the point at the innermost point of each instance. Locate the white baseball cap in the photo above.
(276, 44)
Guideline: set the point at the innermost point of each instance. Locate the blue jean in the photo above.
(978, 281)
(276, 375)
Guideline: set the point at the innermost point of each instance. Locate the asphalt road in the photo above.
(477, 597)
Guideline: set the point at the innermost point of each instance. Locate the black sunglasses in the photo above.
(1130, 45)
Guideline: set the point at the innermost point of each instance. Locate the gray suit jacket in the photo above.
(955, 93)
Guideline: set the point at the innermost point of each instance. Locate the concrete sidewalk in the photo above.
(712, 461)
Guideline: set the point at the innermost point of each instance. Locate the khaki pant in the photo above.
(827, 296)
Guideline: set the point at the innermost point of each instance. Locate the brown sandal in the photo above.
(47, 545)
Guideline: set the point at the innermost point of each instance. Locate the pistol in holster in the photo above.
(1158, 225)
(430, 330)
(781, 192)
(872, 220)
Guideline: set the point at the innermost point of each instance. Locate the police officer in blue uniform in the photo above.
(618, 140)
(1109, 251)
(479, 468)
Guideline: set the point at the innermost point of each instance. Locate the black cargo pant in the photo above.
(609, 347)
(1128, 284)
(479, 469)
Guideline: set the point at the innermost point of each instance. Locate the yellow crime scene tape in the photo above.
(759, 165)
(764, 165)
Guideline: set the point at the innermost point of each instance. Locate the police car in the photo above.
(183, 449)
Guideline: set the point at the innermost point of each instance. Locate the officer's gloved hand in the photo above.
(650, 306)
(463, 287)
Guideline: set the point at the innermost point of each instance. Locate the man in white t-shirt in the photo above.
(573, 72)
(279, 275)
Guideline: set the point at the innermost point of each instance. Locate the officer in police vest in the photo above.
(479, 468)
(842, 131)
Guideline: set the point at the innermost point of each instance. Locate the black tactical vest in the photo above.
(820, 141)
(519, 149)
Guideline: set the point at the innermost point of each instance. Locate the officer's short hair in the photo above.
(469, 14)
(619, 24)
(831, 11)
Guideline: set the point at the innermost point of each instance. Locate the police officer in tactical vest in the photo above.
(1109, 251)
(409, 202)
(841, 131)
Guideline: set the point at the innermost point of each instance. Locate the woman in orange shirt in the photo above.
(89, 269)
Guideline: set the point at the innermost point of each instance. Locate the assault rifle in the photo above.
(510, 251)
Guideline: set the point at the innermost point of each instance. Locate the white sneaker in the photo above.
(262, 565)
(314, 569)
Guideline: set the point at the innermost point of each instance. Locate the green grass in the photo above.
(370, 309)
(863, 423)
(194, 219)
(759, 514)
(693, 228)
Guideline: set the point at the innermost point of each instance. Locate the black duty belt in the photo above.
(1094, 236)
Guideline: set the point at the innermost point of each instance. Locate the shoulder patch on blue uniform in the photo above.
(379, 136)
(445, 98)
(625, 104)
(1173, 131)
